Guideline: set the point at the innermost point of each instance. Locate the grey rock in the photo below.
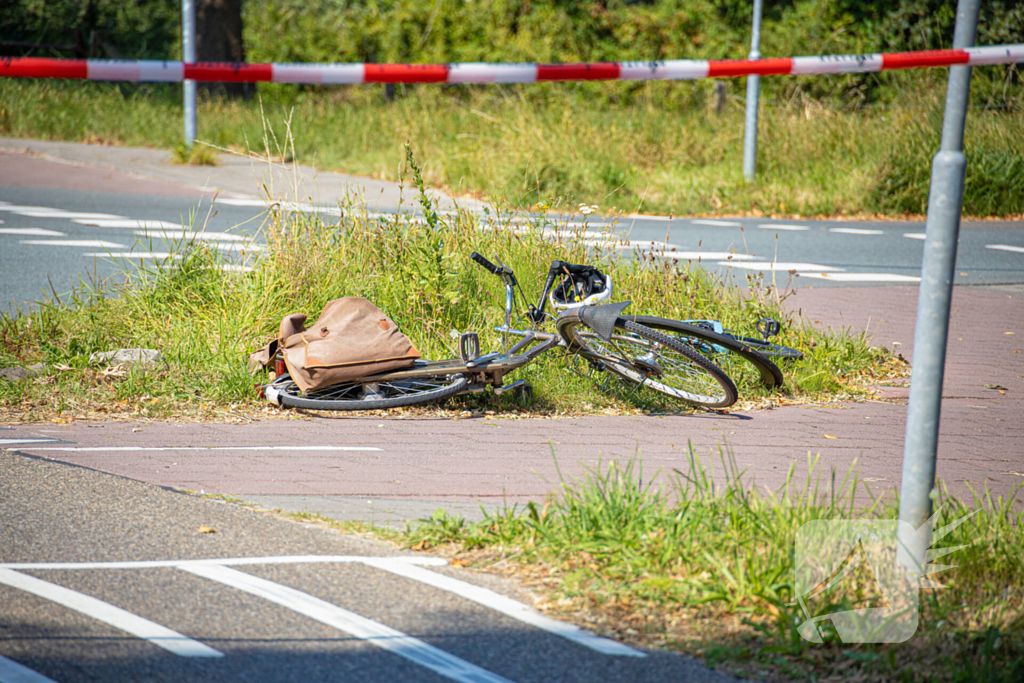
(128, 357)
(18, 373)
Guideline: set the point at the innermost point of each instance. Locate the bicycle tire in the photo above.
(346, 396)
(770, 350)
(708, 343)
(702, 382)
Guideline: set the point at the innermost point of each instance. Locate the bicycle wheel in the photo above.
(741, 362)
(377, 395)
(651, 359)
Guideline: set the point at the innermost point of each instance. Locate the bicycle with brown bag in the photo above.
(355, 358)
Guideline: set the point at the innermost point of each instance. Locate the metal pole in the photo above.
(188, 55)
(945, 201)
(753, 92)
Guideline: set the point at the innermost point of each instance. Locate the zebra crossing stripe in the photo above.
(507, 606)
(12, 672)
(375, 633)
(158, 635)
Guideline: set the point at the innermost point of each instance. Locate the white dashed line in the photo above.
(8, 442)
(241, 202)
(158, 635)
(136, 449)
(34, 232)
(375, 633)
(1005, 247)
(129, 223)
(783, 226)
(132, 254)
(722, 224)
(15, 207)
(705, 256)
(12, 672)
(778, 266)
(638, 217)
(70, 215)
(506, 606)
(856, 231)
(188, 234)
(863, 277)
(914, 235)
(232, 247)
(98, 244)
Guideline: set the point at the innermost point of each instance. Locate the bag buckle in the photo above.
(469, 346)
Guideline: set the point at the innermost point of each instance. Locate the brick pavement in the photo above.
(488, 460)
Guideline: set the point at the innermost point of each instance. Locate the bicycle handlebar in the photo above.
(485, 263)
(558, 267)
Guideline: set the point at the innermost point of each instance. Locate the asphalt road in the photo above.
(62, 222)
(268, 600)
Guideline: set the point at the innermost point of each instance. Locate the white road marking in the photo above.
(233, 268)
(232, 247)
(240, 201)
(856, 231)
(12, 672)
(706, 255)
(136, 449)
(158, 635)
(37, 232)
(128, 223)
(863, 277)
(181, 234)
(70, 215)
(777, 266)
(98, 244)
(914, 235)
(782, 226)
(225, 561)
(375, 633)
(7, 442)
(723, 224)
(15, 207)
(133, 254)
(1005, 247)
(507, 606)
(640, 217)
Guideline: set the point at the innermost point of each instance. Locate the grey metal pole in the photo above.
(945, 201)
(753, 93)
(188, 55)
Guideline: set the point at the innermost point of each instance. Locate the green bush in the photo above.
(993, 147)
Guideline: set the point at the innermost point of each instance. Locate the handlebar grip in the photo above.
(484, 262)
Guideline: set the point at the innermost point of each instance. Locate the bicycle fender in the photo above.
(602, 318)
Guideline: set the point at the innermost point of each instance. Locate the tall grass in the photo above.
(206, 320)
(567, 148)
(706, 565)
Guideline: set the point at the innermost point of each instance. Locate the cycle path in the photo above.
(389, 469)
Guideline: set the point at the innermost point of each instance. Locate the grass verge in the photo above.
(512, 144)
(205, 315)
(706, 567)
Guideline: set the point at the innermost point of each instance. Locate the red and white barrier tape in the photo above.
(677, 69)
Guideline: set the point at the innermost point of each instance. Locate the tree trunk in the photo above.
(219, 39)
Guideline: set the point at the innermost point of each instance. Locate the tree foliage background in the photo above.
(532, 30)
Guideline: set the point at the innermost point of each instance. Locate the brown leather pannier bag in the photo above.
(352, 338)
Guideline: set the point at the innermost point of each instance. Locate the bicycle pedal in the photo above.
(768, 327)
(469, 346)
